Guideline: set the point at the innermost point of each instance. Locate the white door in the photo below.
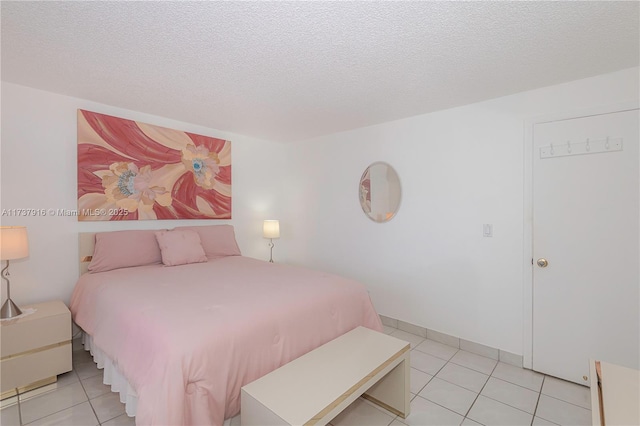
(586, 226)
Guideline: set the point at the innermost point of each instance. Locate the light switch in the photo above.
(487, 230)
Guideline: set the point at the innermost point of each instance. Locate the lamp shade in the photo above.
(271, 229)
(13, 242)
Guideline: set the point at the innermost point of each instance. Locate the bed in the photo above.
(180, 341)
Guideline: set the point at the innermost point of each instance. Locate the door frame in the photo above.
(527, 279)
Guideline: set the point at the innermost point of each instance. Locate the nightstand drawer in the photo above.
(35, 347)
(36, 365)
(50, 324)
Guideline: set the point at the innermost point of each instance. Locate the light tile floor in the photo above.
(449, 386)
(77, 398)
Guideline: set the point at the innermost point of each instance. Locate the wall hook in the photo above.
(606, 143)
(587, 147)
(551, 151)
(569, 147)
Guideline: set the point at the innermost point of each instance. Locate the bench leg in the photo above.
(255, 414)
(392, 391)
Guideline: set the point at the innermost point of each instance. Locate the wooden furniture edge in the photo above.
(29, 387)
(33, 351)
(315, 419)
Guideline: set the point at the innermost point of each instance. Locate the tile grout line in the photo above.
(433, 375)
(490, 375)
(108, 420)
(56, 412)
(566, 402)
(533, 415)
(444, 380)
(509, 405)
(473, 369)
(523, 387)
(560, 399)
(516, 384)
(428, 353)
(394, 418)
(425, 385)
(58, 386)
(478, 395)
(89, 401)
(455, 384)
(440, 405)
(535, 411)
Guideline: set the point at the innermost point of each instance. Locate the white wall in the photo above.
(39, 169)
(430, 265)
(459, 168)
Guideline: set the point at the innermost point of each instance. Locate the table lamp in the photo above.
(271, 230)
(13, 245)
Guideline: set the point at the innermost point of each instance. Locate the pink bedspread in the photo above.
(188, 337)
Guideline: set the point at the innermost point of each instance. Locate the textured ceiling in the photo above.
(288, 71)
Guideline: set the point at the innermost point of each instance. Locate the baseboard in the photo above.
(456, 342)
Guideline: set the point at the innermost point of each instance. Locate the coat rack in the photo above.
(590, 146)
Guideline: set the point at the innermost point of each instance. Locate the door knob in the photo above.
(542, 262)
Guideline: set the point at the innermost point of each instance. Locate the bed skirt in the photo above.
(112, 377)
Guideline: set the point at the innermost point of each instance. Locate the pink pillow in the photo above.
(124, 249)
(180, 247)
(217, 240)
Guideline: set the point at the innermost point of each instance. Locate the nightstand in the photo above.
(35, 348)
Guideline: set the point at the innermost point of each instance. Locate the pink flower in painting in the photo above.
(203, 164)
(130, 188)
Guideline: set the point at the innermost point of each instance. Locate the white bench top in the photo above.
(321, 379)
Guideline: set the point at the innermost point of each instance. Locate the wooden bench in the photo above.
(316, 387)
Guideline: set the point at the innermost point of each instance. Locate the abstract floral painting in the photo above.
(129, 170)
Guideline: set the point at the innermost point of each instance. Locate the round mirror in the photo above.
(380, 192)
